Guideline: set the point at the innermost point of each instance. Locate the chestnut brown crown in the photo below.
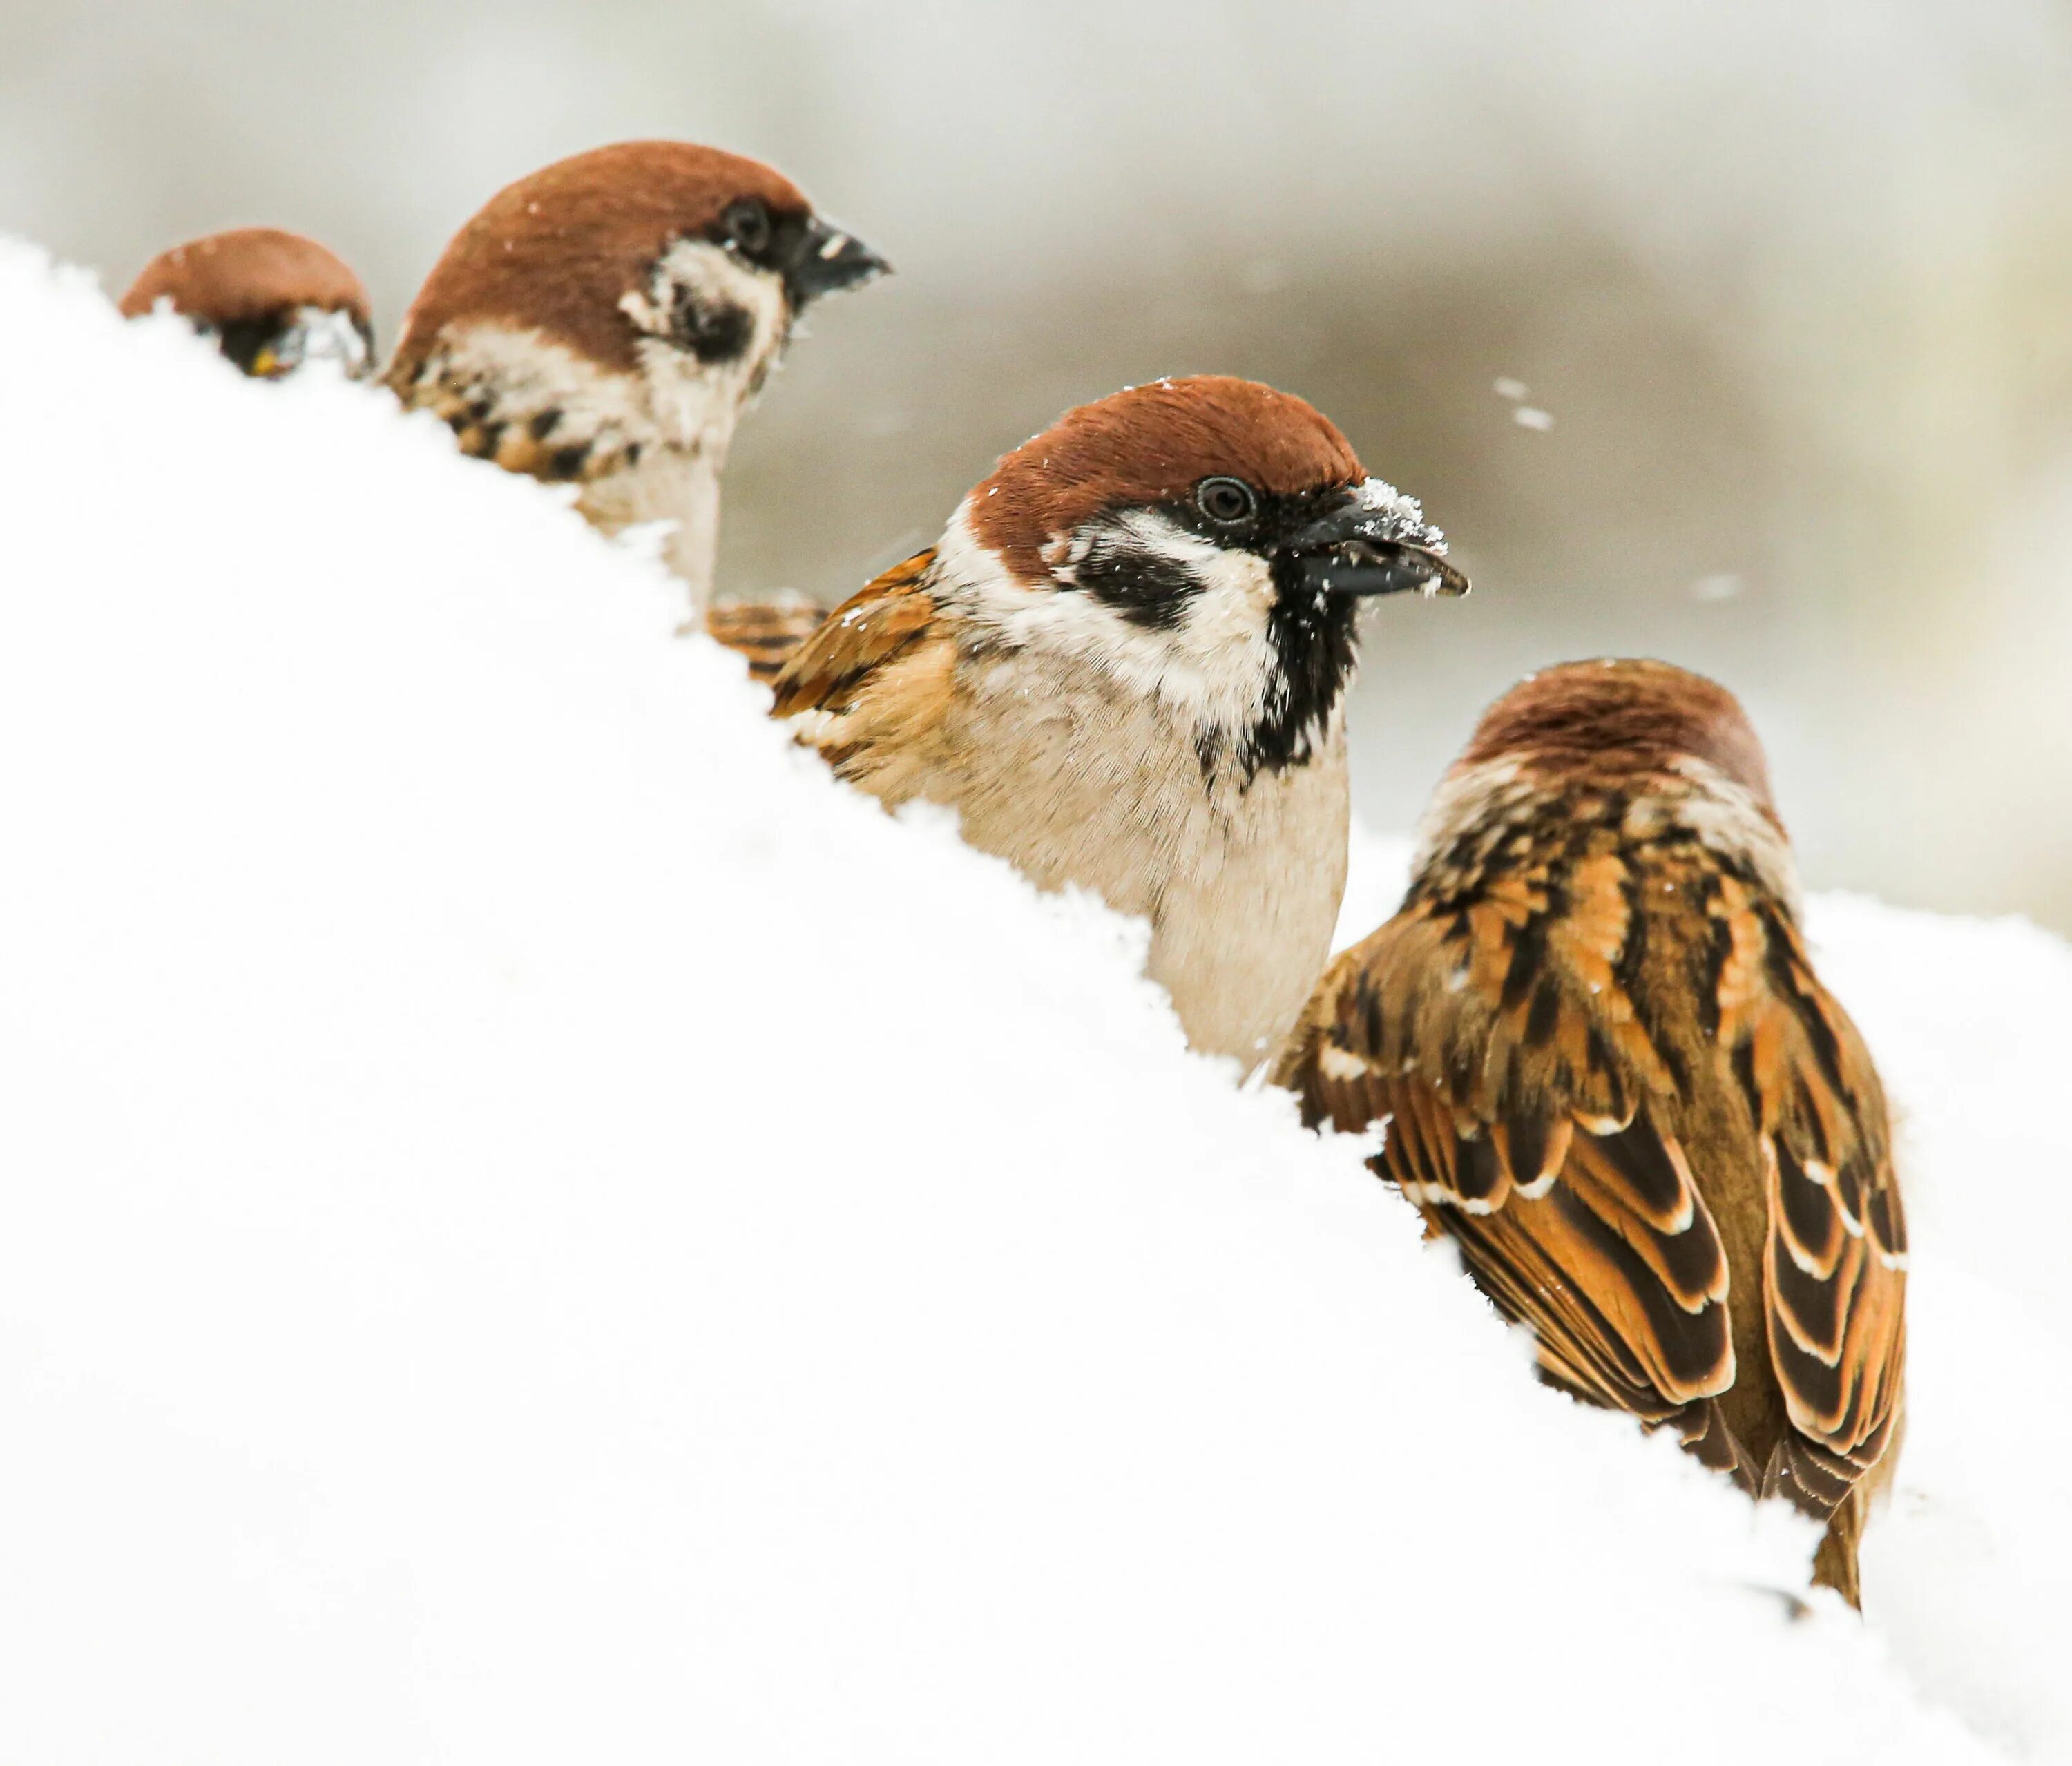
(1148, 444)
(557, 251)
(245, 276)
(1614, 716)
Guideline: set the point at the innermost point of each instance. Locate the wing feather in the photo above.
(1835, 1260)
(1506, 1041)
(764, 634)
(825, 673)
(1518, 1122)
(871, 689)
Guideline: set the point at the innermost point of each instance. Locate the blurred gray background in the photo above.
(1792, 282)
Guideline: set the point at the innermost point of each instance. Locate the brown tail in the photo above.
(1834, 1563)
(1824, 1485)
(765, 633)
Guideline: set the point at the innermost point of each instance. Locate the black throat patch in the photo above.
(1314, 638)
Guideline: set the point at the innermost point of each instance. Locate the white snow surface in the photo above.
(538, 1227)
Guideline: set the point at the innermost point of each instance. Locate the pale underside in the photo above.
(1071, 742)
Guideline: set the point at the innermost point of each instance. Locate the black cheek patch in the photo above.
(1148, 589)
(712, 330)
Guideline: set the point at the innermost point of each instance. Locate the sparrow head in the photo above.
(1622, 718)
(1652, 751)
(651, 258)
(1208, 540)
(273, 301)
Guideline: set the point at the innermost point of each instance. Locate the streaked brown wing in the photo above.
(1835, 1261)
(1524, 1105)
(763, 633)
(1531, 1118)
(826, 672)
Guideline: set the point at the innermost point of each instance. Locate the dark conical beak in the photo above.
(832, 259)
(1355, 549)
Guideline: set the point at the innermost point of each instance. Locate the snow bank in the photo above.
(537, 1227)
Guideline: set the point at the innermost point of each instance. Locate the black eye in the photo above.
(748, 227)
(1227, 502)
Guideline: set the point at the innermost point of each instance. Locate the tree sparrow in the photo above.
(1610, 1072)
(273, 303)
(1124, 665)
(604, 323)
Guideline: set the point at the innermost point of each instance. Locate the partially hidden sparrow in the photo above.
(273, 303)
(1125, 664)
(605, 321)
(1610, 1073)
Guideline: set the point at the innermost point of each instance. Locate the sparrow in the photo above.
(1610, 1073)
(605, 321)
(1124, 666)
(273, 301)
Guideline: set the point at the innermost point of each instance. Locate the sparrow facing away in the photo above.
(1125, 664)
(604, 323)
(273, 301)
(1610, 1072)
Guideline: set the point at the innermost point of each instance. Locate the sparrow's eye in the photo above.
(748, 227)
(1229, 503)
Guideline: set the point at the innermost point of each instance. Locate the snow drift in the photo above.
(539, 1227)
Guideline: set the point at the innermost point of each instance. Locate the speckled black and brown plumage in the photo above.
(1611, 1075)
(857, 654)
(763, 634)
(540, 446)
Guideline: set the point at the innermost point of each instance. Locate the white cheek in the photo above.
(1236, 601)
(1218, 663)
(696, 404)
(1216, 667)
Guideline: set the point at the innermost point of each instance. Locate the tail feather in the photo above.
(1707, 1439)
(764, 633)
(1824, 1485)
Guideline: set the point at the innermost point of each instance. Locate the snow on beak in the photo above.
(1373, 541)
